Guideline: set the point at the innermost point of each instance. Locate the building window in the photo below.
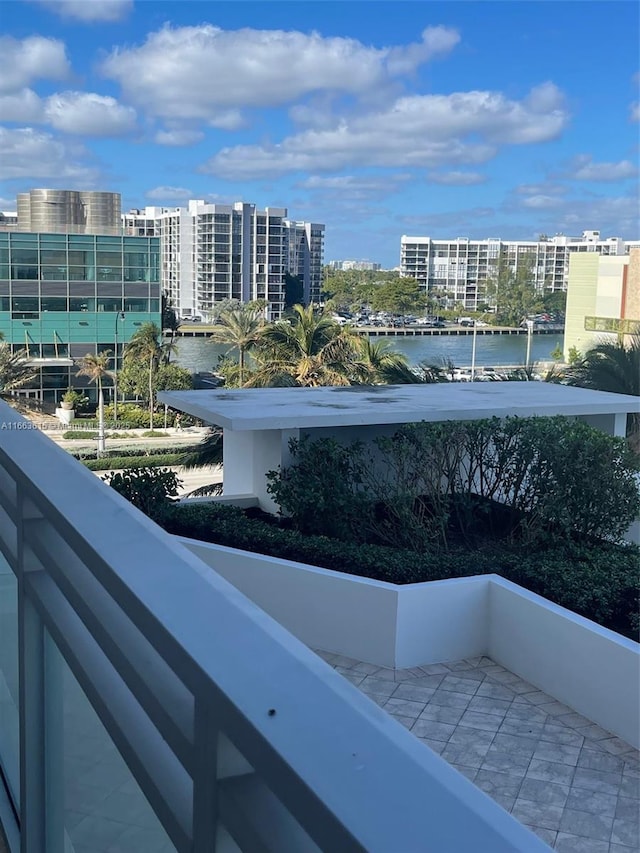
(53, 303)
(82, 304)
(22, 273)
(136, 304)
(109, 303)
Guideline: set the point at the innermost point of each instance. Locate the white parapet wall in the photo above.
(427, 613)
(580, 663)
(594, 671)
(324, 609)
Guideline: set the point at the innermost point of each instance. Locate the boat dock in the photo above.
(199, 330)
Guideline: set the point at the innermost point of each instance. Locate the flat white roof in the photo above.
(291, 408)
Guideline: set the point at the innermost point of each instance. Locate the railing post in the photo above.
(41, 710)
(32, 739)
(205, 805)
(54, 746)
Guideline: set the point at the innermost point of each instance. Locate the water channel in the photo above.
(200, 355)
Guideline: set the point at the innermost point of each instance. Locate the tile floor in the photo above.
(574, 784)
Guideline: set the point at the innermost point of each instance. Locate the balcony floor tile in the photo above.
(571, 782)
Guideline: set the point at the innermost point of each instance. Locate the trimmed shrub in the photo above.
(597, 580)
(75, 434)
(525, 479)
(149, 489)
(126, 462)
(138, 450)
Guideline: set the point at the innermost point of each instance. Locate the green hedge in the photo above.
(123, 452)
(108, 463)
(429, 484)
(597, 580)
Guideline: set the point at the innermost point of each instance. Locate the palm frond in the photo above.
(208, 452)
(210, 490)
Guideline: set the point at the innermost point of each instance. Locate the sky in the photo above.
(454, 119)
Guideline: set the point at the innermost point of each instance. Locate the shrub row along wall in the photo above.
(597, 580)
(525, 479)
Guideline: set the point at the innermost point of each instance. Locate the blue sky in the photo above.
(505, 119)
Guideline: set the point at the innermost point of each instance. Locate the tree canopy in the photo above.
(239, 326)
(513, 292)
(15, 369)
(402, 296)
(348, 290)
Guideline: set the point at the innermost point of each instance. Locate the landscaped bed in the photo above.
(543, 502)
(598, 581)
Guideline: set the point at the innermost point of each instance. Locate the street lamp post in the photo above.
(529, 333)
(119, 316)
(473, 352)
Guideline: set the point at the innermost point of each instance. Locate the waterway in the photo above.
(199, 355)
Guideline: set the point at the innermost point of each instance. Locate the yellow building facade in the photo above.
(603, 299)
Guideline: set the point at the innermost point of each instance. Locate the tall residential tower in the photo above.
(214, 252)
(456, 271)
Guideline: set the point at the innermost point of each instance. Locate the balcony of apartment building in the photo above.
(158, 695)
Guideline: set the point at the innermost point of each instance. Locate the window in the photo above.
(77, 258)
(136, 304)
(58, 273)
(25, 308)
(53, 303)
(109, 303)
(24, 256)
(82, 304)
(108, 259)
(136, 274)
(54, 257)
(24, 273)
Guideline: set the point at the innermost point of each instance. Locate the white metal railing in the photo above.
(238, 735)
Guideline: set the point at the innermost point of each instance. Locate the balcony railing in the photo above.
(235, 735)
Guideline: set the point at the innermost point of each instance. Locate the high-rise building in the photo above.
(457, 270)
(361, 266)
(304, 250)
(215, 252)
(69, 211)
(603, 299)
(65, 295)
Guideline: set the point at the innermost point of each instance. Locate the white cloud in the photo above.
(227, 120)
(544, 188)
(197, 72)
(585, 169)
(89, 11)
(634, 111)
(615, 216)
(169, 194)
(88, 114)
(541, 202)
(418, 130)
(23, 106)
(456, 178)
(178, 137)
(455, 219)
(29, 59)
(349, 188)
(28, 153)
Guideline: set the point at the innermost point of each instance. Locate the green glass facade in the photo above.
(61, 296)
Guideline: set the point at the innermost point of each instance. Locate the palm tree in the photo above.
(240, 327)
(308, 351)
(146, 346)
(96, 368)
(171, 324)
(15, 369)
(613, 367)
(380, 364)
